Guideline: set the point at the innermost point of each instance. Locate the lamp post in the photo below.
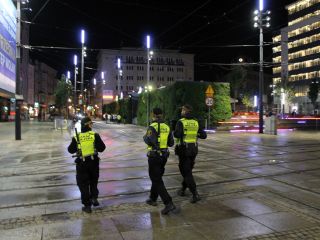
(149, 55)
(261, 20)
(120, 75)
(68, 77)
(83, 54)
(18, 84)
(75, 62)
(102, 88)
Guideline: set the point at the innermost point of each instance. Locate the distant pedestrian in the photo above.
(87, 144)
(158, 138)
(187, 132)
(119, 118)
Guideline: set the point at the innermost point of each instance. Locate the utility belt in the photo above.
(158, 153)
(83, 159)
(188, 149)
(184, 144)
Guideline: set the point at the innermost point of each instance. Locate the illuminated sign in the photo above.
(107, 94)
(7, 45)
(108, 97)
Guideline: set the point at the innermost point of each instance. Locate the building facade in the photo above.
(166, 67)
(45, 83)
(296, 55)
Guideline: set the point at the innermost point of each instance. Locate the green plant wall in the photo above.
(172, 98)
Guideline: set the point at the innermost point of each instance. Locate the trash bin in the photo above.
(60, 123)
(271, 125)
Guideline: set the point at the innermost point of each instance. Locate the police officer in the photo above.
(187, 132)
(158, 138)
(87, 144)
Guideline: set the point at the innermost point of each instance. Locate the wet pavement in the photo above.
(253, 186)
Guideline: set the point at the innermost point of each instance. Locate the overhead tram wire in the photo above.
(234, 27)
(209, 23)
(182, 19)
(40, 48)
(99, 21)
(99, 49)
(223, 46)
(37, 14)
(228, 64)
(149, 7)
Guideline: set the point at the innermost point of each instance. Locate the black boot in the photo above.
(95, 202)
(87, 209)
(151, 202)
(195, 198)
(168, 208)
(181, 192)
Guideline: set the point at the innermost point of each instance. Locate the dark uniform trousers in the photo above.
(87, 180)
(156, 171)
(186, 163)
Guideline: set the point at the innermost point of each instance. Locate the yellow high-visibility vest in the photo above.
(163, 136)
(86, 144)
(190, 130)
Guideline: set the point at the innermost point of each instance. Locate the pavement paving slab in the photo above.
(253, 186)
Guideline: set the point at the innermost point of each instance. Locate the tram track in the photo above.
(201, 185)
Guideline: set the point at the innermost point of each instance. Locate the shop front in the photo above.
(5, 109)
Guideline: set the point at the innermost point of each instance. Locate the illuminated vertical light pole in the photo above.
(120, 75)
(68, 82)
(82, 65)
(148, 79)
(94, 90)
(261, 20)
(68, 77)
(102, 88)
(75, 62)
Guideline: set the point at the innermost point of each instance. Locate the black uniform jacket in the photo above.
(151, 137)
(98, 144)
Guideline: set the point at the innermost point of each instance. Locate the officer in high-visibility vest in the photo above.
(187, 132)
(119, 118)
(87, 144)
(158, 138)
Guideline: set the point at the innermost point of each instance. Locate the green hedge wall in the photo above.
(170, 100)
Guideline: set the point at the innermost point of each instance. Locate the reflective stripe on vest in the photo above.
(86, 143)
(190, 130)
(163, 136)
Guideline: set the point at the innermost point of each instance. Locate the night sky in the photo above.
(192, 26)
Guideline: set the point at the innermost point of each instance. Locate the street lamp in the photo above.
(75, 62)
(18, 94)
(68, 77)
(261, 20)
(120, 75)
(149, 55)
(94, 89)
(102, 89)
(83, 54)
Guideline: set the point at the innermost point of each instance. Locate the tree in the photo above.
(313, 93)
(62, 93)
(288, 90)
(237, 78)
(246, 100)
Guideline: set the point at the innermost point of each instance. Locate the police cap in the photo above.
(187, 108)
(157, 111)
(86, 121)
